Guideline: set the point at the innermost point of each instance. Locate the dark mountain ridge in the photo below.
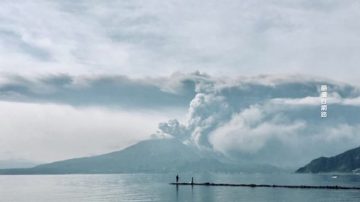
(348, 161)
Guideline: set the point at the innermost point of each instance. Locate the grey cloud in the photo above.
(15, 41)
(105, 91)
(175, 129)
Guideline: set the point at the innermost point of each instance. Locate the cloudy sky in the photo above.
(86, 77)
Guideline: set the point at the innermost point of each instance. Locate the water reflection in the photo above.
(177, 192)
(155, 187)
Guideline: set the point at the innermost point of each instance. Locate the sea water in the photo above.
(156, 187)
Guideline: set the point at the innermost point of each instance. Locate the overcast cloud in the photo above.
(272, 119)
(114, 72)
(142, 38)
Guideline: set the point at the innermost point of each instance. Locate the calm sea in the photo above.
(155, 187)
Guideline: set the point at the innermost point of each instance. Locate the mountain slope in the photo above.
(348, 161)
(146, 156)
(157, 155)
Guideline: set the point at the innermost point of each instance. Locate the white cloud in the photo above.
(269, 134)
(352, 101)
(314, 101)
(248, 132)
(48, 132)
(297, 101)
(157, 38)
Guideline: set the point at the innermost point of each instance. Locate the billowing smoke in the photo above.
(269, 119)
(264, 119)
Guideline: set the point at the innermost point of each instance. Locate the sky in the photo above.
(79, 78)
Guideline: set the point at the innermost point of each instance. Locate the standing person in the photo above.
(177, 178)
(192, 180)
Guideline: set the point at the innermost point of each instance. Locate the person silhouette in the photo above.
(192, 180)
(177, 178)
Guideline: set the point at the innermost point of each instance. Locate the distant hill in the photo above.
(348, 161)
(16, 163)
(156, 155)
